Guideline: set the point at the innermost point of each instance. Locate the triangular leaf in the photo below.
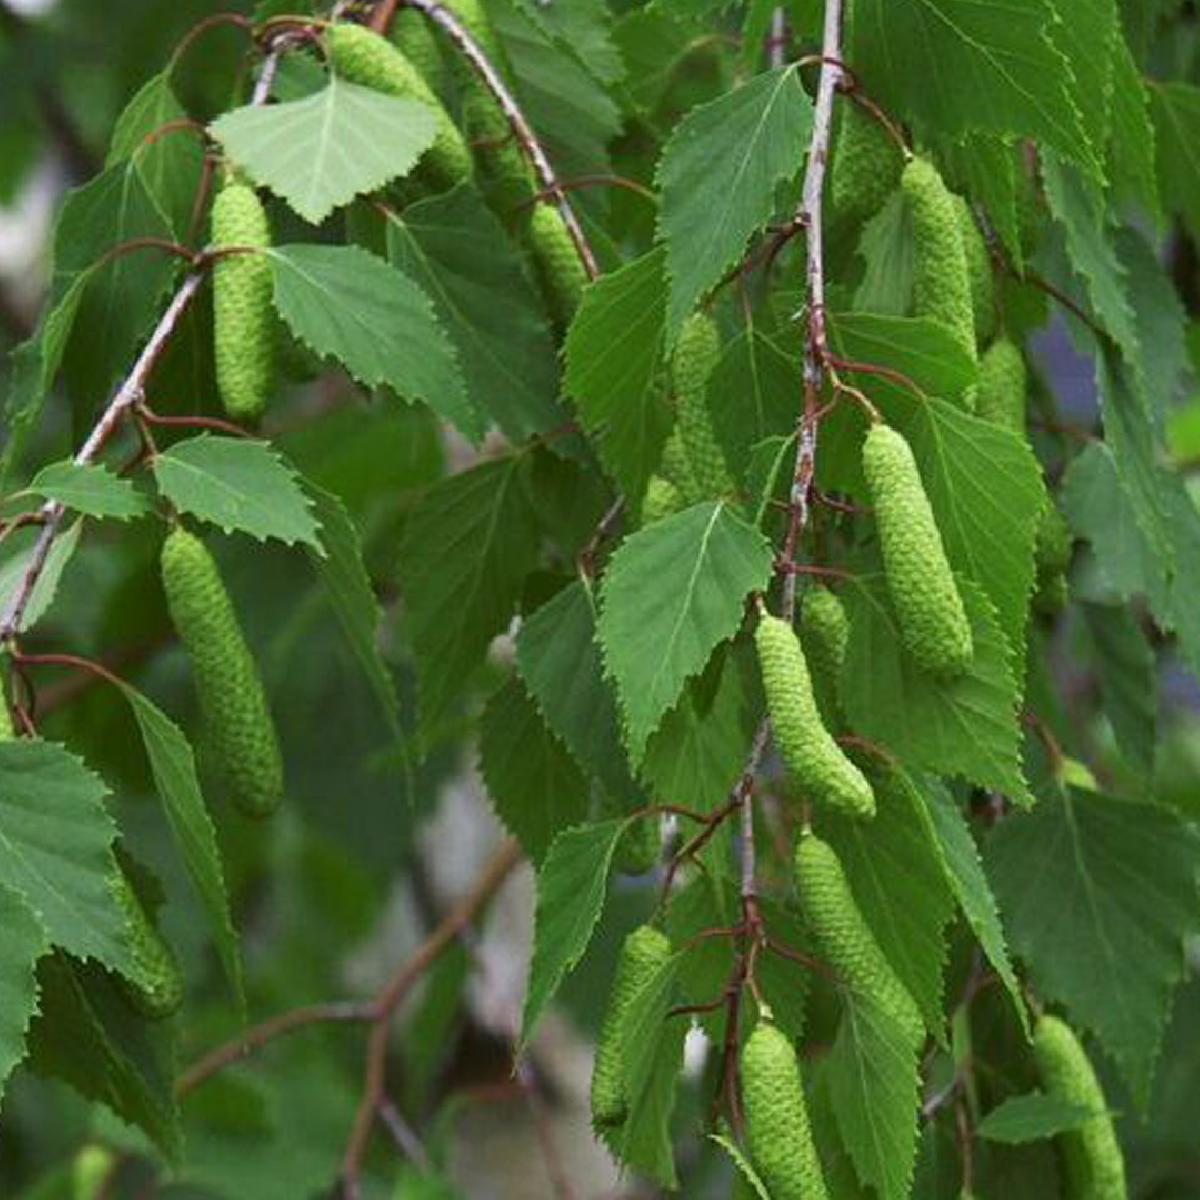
(89, 489)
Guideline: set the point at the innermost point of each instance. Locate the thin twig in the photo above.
(522, 130)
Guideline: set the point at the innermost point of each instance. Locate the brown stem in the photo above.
(192, 422)
(469, 48)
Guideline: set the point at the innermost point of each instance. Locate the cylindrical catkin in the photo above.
(1003, 380)
(228, 686)
(560, 269)
(365, 58)
(695, 357)
(817, 763)
(866, 165)
(979, 273)
(243, 318)
(778, 1133)
(824, 636)
(1092, 1154)
(941, 284)
(644, 951)
(933, 622)
(156, 986)
(845, 938)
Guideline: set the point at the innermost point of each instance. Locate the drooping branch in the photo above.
(816, 347)
(470, 49)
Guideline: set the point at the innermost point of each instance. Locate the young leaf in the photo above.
(672, 593)
(718, 174)
(320, 152)
(347, 304)
(571, 887)
(1031, 1117)
(537, 789)
(174, 770)
(614, 354)
(1098, 895)
(467, 548)
(56, 849)
(238, 485)
(93, 490)
(454, 248)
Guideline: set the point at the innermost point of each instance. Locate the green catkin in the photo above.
(696, 354)
(473, 15)
(643, 952)
(561, 272)
(1003, 382)
(662, 498)
(640, 847)
(817, 763)
(824, 636)
(1052, 554)
(778, 1134)
(505, 174)
(1095, 1168)
(365, 58)
(244, 336)
(90, 1171)
(7, 732)
(156, 985)
(979, 273)
(676, 467)
(941, 284)
(866, 165)
(413, 36)
(845, 938)
(933, 622)
(228, 685)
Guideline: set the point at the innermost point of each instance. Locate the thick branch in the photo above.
(469, 48)
(811, 216)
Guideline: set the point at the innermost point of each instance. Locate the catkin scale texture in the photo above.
(941, 283)
(643, 952)
(933, 622)
(662, 498)
(844, 936)
(824, 636)
(1000, 393)
(243, 322)
(866, 165)
(816, 762)
(156, 987)
(677, 467)
(562, 273)
(365, 58)
(694, 359)
(228, 685)
(778, 1133)
(1095, 1168)
(414, 38)
(979, 273)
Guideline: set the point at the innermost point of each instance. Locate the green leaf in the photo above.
(347, 304)
(718, 175)
(339, 565)
(698, 752)
(1030, 1118)
(56, 849)
(1128, 674)
(1175, 109)
(742, 1165)
(614, 353)
(536, 788)
(320, 152)
(89, 1034)
(24, 942)
(886, 247)
(895, 871)
(558, 657)
(174, 770)
(454, 248)
(983, 167)
(956, 66)
(93, 490)
(571, 886)
(13, 570)
(1133, 141)
(1085, 34)
(672, 593)
(964, 872)
(238, 484)
(467, 548)
(1098, 895)
(652, 1055)
(966, 727)
(753, 393)
(872, 1077)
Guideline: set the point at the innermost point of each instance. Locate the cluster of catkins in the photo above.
(952, 284)
(409, 66)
